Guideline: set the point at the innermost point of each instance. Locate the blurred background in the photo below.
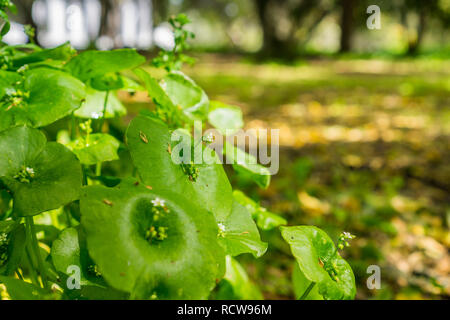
(364, 116)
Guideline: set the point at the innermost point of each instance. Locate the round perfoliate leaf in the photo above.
(151, 244)
(41, 176)
(320, 262)
(97, 147)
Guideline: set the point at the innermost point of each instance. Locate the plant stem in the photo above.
(37, 252)
(307, 291)
(33, 274)
(105, 104)
(98, 169)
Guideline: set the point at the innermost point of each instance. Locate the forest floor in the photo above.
(364, 148)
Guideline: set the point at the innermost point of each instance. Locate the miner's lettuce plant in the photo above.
(166, 230)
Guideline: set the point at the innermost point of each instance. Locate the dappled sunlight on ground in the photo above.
(364, 148)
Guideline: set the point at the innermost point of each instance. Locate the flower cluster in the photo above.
(191, 170)
(343, 240)
(25, 175)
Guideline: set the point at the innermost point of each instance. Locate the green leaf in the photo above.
(94, 105)
(301, 284)
(265, 220)
(52, 95)
(20, 290)
(60, 53)
(151, 149)
(238, 233)
(98, 147)
(41, 176)
(184, 92)
(320, 262)
(236, 284)
(225, 118)
(185, 265)
(92, 64)
(247, 165)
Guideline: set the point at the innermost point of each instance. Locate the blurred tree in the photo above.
(281, 21)
(347, 24)
(432, 9)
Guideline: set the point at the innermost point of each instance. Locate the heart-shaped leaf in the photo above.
(151, 148)
(225, 118)
(41, 176)
(238, 233)
(94, 105)
(265, 220)
(97, 147)
(46, 96)
(320, 262)
(152, 244)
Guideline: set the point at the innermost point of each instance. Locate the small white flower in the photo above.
(30, 171)
(221, 227)
(159, 203)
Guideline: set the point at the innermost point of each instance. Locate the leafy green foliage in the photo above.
(174, 59)
(172, 233)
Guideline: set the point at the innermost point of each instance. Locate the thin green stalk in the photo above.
(19, 275)
(37, 252)
(307, 291)
(98, 169)
(105, 104)
(31, 269)
(73, 127)
(68, 217)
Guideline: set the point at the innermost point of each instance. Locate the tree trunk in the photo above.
(346, 25)
(413, 45)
